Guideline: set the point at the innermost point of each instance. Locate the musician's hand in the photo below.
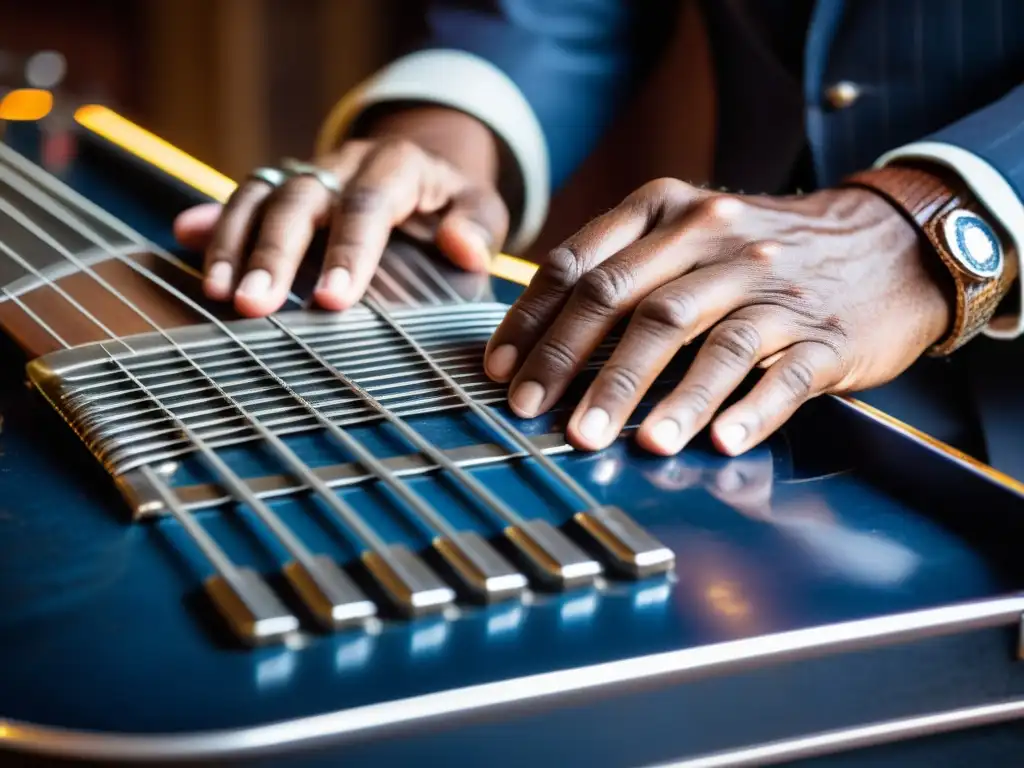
(431, 170)
(829, 291)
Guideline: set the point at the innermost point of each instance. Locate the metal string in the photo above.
(497, 422)
(234, 484)
(291, 460)
(492, 417)
(476, 488)
(363, 456)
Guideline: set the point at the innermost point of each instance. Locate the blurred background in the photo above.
(239, 83)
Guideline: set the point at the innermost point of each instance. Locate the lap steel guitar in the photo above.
(321, 538)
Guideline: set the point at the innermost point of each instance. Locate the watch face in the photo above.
(974, 244)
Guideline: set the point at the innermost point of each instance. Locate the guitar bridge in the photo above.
(148, 405)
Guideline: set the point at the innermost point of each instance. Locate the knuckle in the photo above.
(402, 148)
(563, 268)
(695, 398)
(735, 343)
(362, 199)
(606, 289)
(558, 357)
(797, 377)
(619, 382)
(527, 317)
(763, 251)
(671, 313)
(720, 208)
(664, 187)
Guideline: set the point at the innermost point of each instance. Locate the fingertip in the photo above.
(194, 227)
(662, 436)
(219, 281)
(257, 295)
(591, 429)
(730, 437)
(333, 290)
(500, 363)
(465, 244)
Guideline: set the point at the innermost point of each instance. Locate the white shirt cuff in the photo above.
(993, 191)
(472, 85)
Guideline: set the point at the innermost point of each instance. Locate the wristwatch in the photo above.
(972, 246)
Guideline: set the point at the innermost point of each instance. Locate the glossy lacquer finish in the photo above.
(104, 627)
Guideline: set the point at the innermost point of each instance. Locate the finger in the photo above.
(289, 221)
(474, 228)
(602, 297)
(804, 371)
(229, 238)
(193, 227)
(394, 181)
(663, 323)
(726, 358)
(563, 269)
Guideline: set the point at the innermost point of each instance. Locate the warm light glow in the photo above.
(26, 104)
(155, 151)
(726, 600)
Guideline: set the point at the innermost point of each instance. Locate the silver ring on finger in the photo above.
(328, 180)
(275, 177)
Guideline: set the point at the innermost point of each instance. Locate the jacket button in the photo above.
(842, 95)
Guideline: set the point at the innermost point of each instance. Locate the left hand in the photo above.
(830, 292)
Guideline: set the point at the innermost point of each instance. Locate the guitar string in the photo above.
(295, 464)
(497, 422)
(426, 514)
(31, 171)
(371, 464)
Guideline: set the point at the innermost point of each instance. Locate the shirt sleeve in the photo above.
(986, 150)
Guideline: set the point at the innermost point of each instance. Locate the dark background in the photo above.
(239, 83)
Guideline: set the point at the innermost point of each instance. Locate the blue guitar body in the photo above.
(848, 593)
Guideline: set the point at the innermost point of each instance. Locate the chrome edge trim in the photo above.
(858, 737)
(674, 666)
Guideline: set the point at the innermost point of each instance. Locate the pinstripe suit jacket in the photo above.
(938, 79)
(946, 69)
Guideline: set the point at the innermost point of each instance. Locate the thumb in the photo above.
(193, 228)
(473, 229)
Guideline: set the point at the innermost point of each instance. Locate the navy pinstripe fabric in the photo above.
(944, 69)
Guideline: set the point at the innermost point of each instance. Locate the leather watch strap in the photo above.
(957, 226)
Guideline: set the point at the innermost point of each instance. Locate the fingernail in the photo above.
(334, 281)
(666, 435)
(732, 437)
(255, 284)
(219, 276)
(594, 423)
(527, 399)
(502, 362)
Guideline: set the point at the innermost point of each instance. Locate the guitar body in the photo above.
(848, 592)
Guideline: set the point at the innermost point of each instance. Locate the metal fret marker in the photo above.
(622, 538)
(325, 589)
(247, 604)
(634, 550)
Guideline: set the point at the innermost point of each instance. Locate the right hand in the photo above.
(407, 175)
